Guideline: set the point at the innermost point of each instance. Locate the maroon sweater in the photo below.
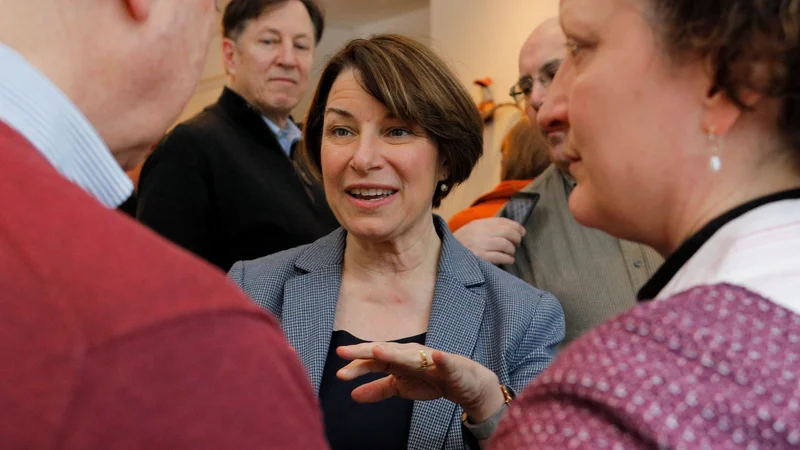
(112, 338)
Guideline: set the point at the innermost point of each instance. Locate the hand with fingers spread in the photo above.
(415, 372)
(494, 239)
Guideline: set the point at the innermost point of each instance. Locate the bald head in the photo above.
(539, 58)
(546, 34)
(129, 66)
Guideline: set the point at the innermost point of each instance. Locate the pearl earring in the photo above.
(715, 162)
(443, 187)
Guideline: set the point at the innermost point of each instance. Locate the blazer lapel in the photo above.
(453, 327)
(309, 305)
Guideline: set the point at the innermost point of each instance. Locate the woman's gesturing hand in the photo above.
(416, 372)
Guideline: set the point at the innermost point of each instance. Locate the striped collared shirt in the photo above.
(38, 110)
(287, 135)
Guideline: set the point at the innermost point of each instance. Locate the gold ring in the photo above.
(424, 365)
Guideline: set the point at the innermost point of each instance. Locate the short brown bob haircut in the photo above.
(416, 86)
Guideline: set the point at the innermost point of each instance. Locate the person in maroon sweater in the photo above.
(112, 338)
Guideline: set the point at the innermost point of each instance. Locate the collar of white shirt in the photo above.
(287, 135)
(758, 250)
(38, 110)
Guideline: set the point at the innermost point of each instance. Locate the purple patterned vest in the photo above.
(715, 367)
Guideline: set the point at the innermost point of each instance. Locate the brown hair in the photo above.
(750, 44)
(525, 152)
(238, 13)
(416, 86)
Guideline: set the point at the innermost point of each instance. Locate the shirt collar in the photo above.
(569, 181)
(684, 253)
(38, 110)
(287, 136)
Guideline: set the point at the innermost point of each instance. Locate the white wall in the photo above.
(415, 24)
(481, 38)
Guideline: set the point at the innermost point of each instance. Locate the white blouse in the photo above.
(759, 250)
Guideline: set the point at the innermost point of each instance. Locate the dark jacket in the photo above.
(221, 186)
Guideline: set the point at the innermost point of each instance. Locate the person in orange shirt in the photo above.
(524, 158)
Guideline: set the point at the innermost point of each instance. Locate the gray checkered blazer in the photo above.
(478, 311)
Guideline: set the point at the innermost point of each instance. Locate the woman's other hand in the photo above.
(416, 372)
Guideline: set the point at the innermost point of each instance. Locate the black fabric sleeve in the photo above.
(174, 198)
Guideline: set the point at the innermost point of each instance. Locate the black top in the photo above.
(221, 186)
(350, 425)
(685, 252)
(129, 206)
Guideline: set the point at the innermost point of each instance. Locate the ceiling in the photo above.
(356, 13)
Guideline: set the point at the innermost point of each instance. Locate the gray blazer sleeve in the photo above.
(236, 274)
(538, 347)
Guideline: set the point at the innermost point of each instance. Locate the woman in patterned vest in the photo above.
(684, 135)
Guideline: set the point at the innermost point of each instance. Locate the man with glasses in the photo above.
(539, 59)
(594, 275)
(111, 337)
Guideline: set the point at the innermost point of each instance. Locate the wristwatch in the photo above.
(485, 429)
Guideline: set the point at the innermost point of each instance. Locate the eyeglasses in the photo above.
(524, 86)
(522, 89)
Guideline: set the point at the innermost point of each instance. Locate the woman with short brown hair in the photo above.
(400, 327)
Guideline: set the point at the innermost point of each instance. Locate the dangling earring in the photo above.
(443, 187)
(715, 162)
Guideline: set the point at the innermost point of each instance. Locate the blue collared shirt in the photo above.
(287, 135)
(38, 110)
